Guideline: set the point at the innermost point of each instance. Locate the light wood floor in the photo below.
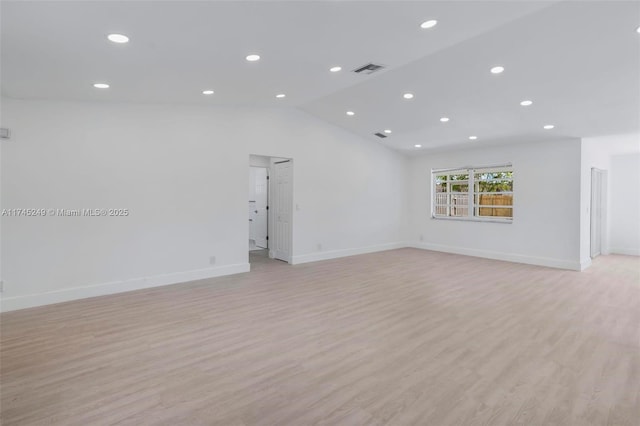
(400, 337)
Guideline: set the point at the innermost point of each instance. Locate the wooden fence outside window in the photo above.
(459, 205)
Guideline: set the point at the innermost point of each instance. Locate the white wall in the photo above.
(597, 152)
(545, 228)
(182, 173)
(625, 204)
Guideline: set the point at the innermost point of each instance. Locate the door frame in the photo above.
(267, 161)
(598, 213)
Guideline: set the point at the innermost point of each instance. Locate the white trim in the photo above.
(33, 300)
(629, 251)
(333, 254)
(487, 219)
(74, 293)
(466, 168)
(509, 257)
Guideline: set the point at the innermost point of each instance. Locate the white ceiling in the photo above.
(578, 61)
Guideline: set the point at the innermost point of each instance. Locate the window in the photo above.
(473, 193)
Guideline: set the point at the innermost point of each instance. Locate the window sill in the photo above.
(474, 219)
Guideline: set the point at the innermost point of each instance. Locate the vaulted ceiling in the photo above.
(578, 62)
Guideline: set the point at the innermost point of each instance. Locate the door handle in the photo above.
(256, 211)
(250, 220)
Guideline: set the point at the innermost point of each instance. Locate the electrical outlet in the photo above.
(319, 247)
(212, 260)
(421, 237)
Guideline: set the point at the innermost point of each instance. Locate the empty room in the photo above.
(244, 213)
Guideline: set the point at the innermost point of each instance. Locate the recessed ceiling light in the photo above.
(207, 92)
(526, 103)
(101, 85)
(351, 113)
(497, 70)
(408, 96)
(418, 146)
(387, 131)
(280, 95)
(473, 138)
(549, 126)
(444, 119)
(253, 58)
(118, 38)
(429, 24)
(335, 69)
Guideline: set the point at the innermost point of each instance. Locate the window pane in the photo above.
(440, 183)
(460, 177)
(493, 174)
(441, 210)
(494, 181)
(490, 205)
(458, 211)
(459, 187)
(459, 204)
(441, 198)
(494, 186)
(495, 212)
(493, 199)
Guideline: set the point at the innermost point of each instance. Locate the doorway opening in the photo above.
(598, 212)
(270, 209)
(258, 205)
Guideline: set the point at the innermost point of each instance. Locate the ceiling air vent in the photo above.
(368, 69)
(380, 135)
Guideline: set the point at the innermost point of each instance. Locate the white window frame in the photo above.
(472, 207)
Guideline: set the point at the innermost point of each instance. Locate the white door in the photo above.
(260, 212)
(598, 203)
(282, 209)
(252, 203)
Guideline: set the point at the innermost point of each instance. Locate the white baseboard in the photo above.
(509, 257)
(627, 251)
(32, 300)
(585, 263)
(333, 254)
(29, 301)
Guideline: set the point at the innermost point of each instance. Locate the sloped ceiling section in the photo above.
(577, 61)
